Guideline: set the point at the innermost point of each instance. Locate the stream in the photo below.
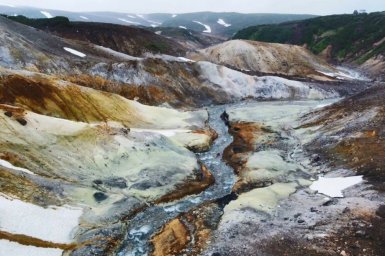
(146, 223)
(282, 114)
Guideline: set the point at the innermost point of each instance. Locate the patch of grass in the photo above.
(352, 36)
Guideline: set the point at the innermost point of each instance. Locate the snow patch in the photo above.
(239, 85)
(166, 133)
(54, 224)
(185, 59)
(333, 187)
(75, 52)
(140, 16)
(131, 16)
(183, 27)
(345, 74)
(8, 165)
(117, 54)
(158, 32)
(12, 248)
(174, 15)
(46, 14)
(223, 23)
(83, 17)
(128, 21)
(207, 27)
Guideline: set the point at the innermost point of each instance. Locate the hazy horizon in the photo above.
(318, 7)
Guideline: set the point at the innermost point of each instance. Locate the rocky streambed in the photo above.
(271, 196)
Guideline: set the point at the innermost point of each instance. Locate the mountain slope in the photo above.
(346, 38)
(223, 24)
(226, 24)
(266, 58)
(126, 39)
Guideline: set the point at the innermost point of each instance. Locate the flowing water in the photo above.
(143, 225)
(146, 223)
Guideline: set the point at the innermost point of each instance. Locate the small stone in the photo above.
(343, 253)
(8, 113)
(346, 210)
(313, 209)
(297, 215)
(300, 221)
(21, 121)
(360, 233)
(309, 237)
(99, 196)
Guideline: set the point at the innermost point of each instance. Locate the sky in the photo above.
(321, 7)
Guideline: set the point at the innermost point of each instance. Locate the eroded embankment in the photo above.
(276, 212)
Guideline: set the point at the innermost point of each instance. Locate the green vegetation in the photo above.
(38, 23)
(237, 20)
(355, 37)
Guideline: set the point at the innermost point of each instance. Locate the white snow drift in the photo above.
(46, 14)
(54, 224)
(333, 187)
(207, 27)
(74, 52)
(223, 23)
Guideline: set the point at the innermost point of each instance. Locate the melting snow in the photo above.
(185, 59)
(74, 52)
(345, 74)
(12, 248)
(54, 224)
(84, 17)
(117, 54)
(167, 133)
(207, 27)
(223, 23)
(128, 21)
(46, 14)
(8, 165)
(333, 187)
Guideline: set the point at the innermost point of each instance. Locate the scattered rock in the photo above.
(330, 201)
(8, 113)
(116, 182)
(313, 209)
(99, 196)
(297, 215)
(21, 121)
(381, 211)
